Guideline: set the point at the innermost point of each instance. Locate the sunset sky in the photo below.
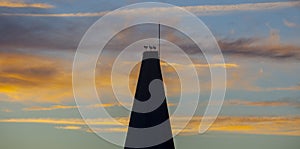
(259, 40)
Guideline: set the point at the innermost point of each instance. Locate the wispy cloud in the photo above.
(289, 88)
(236, 81)
(225, 65)
(198, 10)
(246, 124)
(80, 14)
(26, 77)
(257, 47)
(63, 107)
(259, 125)
(289, 23)
(69, 127)
(55, 107)
(45, 121)
(46, 36)
(210, 9)
(268, 89)
(20, 4)
(6, 110)
(29, 78)
(273, 103)
(68, 121)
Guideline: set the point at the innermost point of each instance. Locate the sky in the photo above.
(259, 40)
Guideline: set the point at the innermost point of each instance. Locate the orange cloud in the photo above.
(107, 130)
(69, 121)
(35, 78)
(259, 125)
(225, 65)
(20, 4)
(69, 127)
(249, 125)
(32, 78)
(55, 107)
(231, 124)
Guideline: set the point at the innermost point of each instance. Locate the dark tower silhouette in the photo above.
(150, 89)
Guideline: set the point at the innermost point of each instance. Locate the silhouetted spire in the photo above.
(150, 108)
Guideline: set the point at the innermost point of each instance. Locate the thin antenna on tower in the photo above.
(159, 40)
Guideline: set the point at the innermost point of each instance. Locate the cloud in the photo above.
(247, 125)
(275, 103)
(58, 107)
(289, 88)
(269, 46)
(69, 121)
(48, 72)
(45, 35)
(25, 77)
(41, 34)
(255, 47)
(289, 24)
(241, 7)
(80, 14)
(39, 78)
(236, 80)
(251, 87)
(45, 121)
(6, 110)
(55, 107)
(231, 124)
(198, 10)
(225, 65)
(259, 125)
(69, 127)
(20, 4)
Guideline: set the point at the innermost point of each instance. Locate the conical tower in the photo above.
(149, 125)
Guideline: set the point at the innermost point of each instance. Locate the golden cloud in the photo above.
(224, 65)
(248, 125)
(20, 4)
(69, 127)
(231, 124)
(55, 107)
(25, 77)
(34, 78)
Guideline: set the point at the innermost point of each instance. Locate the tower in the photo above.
(150, 108)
